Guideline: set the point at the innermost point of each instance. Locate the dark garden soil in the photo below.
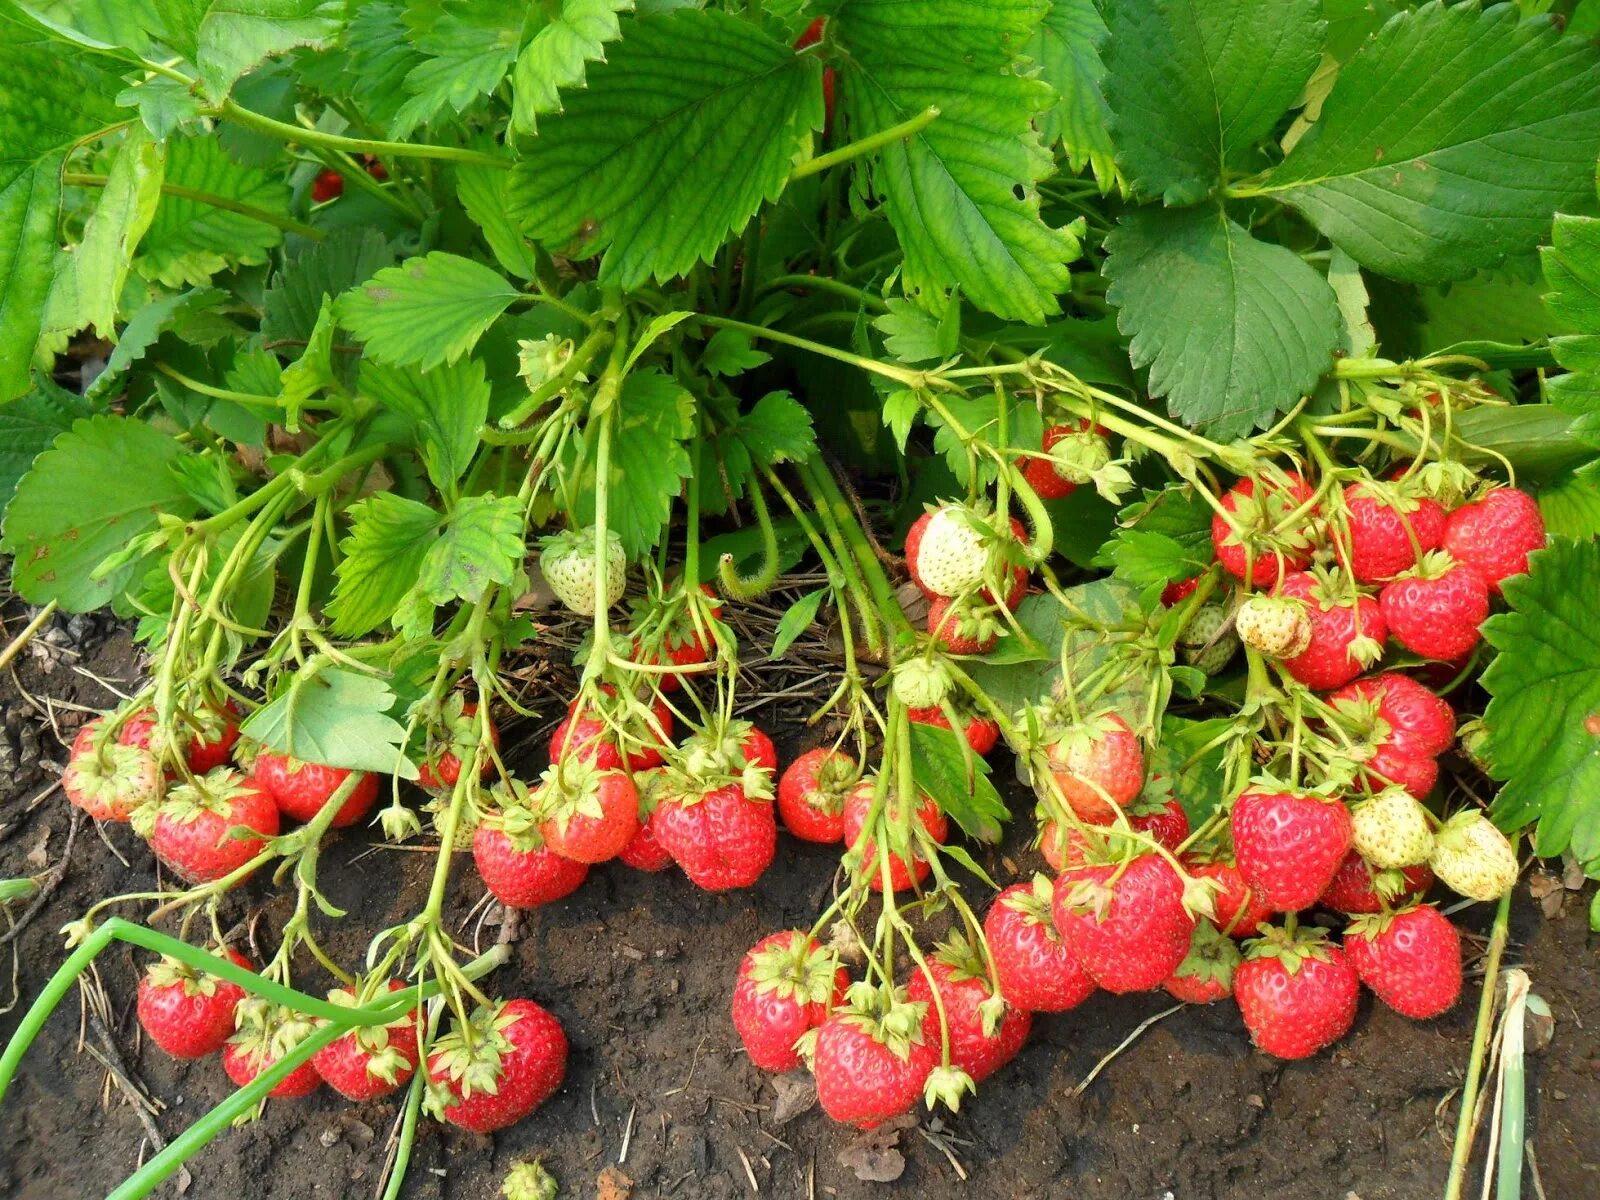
(638, 969)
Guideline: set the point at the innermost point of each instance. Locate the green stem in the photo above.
(408, 1137)
(902, 376)
(826, 283)
(206, 389)
(1466, 1119)
(866, 145)
(283, 131)
(278, 220)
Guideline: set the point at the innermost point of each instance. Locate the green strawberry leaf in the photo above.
(145, 328)
(426, 311)
(958, 783)
(485, 193)
(797, 618)
(389, 538)
(336, 717)
(558, 56)
(1194, 86)
(370, 66)
(445, 408)
(467, 51)
(1572, 275)
(236, 35)
(328, 268)
(480, 543)
(1418, 165)
(1543, 718)
(1068, 48)
(1234, 330)
(29, 425)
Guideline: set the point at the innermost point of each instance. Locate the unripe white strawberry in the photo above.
(1471, 856)
(1391, 830)
(1077, 456)
(1204, 644)
(1277, 626)
(566, 561)
(921, 682)
(952, 556)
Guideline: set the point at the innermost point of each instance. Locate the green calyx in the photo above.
(213, 792)
(1291, 948)
(801, 971)
(529, 1181)
(885, 1015)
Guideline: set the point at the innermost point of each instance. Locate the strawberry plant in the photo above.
(420, 331)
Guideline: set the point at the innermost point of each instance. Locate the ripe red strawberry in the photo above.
(1415, 720)
(1496, 534)
(787, 985)
(1032, 965)
(206, 737)
(1297, 993)
(1265, 552)
(109, 782)
(1356, 886)
(906, 860)
(1099, 767)
(328, 185)
(1346, 638)
(371, 1061)
(683, 644)
(1289, 844)
(1084, 451)
(1435, 611)
(1175, 594)
(587, 815)
(811, 794)
(1411, 960)
(1238, 907)
(1126, 924)
(1382, 524)
(981, 1042)
(186, 1012)
(759, 750)
(267, 1034)
(721, 837)
(460, 738)
(513, 1061)
(189, 830)
(514, 860)
(1206, 973)
(1165, 821)
(809, 37)
(585, 734)
(300, 789)
(982, 734)
(644, 853)
(967, 631)
(871, 1061)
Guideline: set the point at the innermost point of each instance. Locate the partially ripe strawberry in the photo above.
(959, 631)
(301, 789)
(1206, 973)
(110, 782)
(786, 986)
(1033, 966)
(1268, 545)
(1297, 993)
(1275, 626)
(1391, 830)
(567, 562)
(871, 1061)
(1346, 638)
(1099, 767)
(1496, 534)
(373, 1060)
(914, 536)
(1471, 856)
(1436, 610)
(264, 1039)
(513, 1061)
(1238, 908)
(512, 856)
(186, 1012)
(189, 831)
(1175, 594)
(982, 734)
(1289, 844)
(461, 729)
(907, 861)
(587, 815)
(1356, 886)
(1126, 924)
(1389, 531)
(951, 555)
(811, 794)
(1411, 960)
(984, 1034)
(683, 644)
(1076, 450)
(721, 837)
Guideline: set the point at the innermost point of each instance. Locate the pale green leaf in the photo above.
(914, 335)
(427, 310)
(1067, 48)
(336, 717)
(1193, 85)
(1503, 305)
(731, 352)
(962, 194)
(235, 35)
(389, 538)
(481, 542)
(165, 105)
(313, 371)
(144, 328)
(1569, 504)
(1448, 141)
(445, 408)
(1572, 273)
(693, 121)
(649, 461)
(1234, 330)
(96, 489)
(27, 428)
(1359, 338)
(559, 54)
(467, 51)
(657, 327)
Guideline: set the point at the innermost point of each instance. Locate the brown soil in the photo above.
(638, 969)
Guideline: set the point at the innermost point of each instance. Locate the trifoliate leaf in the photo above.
(962, 194)
(914, 335)
(189, 241)
(1067, 48)
(1572, 273)
(426, 311)
(337, 717)
(235, 35)
(327, 268)
(559, 54)
(481, 542)
(1543, 721)
(1192, 86)
(165, 105)
(445, 408)
(1234, 330)
(778, 430)
(99, 487)
(654, 417)
(389, 538)
(1419, 165)
(468, 50)
(716, 112)
(29, 425)
(959, 783)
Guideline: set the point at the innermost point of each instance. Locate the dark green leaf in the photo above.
(327, 268)
(1572, 273)
(235, 35)
(445, 407)
(27, 428)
